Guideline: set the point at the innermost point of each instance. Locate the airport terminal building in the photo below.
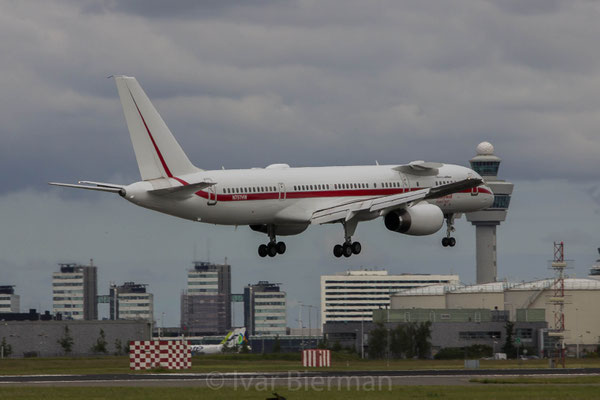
(352, 296)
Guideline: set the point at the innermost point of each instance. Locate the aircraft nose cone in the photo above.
(488, 197)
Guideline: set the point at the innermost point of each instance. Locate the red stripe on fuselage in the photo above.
(315, 194)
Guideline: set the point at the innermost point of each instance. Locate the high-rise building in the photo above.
(75, 291)
(265, 309)
(352, 296)
(9, 301)
(486, 164)
(206, 304)
(131, 301)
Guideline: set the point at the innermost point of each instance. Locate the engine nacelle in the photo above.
(418, 220)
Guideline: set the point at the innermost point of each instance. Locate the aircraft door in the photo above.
(475, 190)
(405, 185)
(282, 193)
(212, 194)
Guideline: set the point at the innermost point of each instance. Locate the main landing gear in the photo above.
(272, 248)
(448, 240)
(349, 247)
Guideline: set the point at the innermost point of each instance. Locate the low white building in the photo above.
(353, 295)
(582, 296)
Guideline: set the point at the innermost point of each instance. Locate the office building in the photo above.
(131, 301)
(206, 304)
(353, 295)
(75, 291)
(265, 309)
(9, 301)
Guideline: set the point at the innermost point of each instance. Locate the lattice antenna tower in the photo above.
(559, 264)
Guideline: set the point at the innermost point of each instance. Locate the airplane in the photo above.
(278, 200)
(233, 339)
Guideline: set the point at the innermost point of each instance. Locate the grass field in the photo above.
(397, 392)
(250, 362)
(577, 380)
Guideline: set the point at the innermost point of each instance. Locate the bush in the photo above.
(459, 353)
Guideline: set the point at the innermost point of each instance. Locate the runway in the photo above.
(292, 379)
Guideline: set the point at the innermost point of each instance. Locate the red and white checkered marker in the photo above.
(169, 354)
(316, 358)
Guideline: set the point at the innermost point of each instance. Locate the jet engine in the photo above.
(418, 220)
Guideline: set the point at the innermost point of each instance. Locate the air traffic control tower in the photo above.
(486, 164)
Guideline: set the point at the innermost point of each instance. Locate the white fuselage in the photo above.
(282, 195)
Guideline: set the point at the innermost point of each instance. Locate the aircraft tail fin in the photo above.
(157, 152)
(235, 337)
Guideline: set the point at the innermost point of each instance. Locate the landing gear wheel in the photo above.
(338, 250)
(347, 249)
(356, 248)
(262, 250)
(272, 249)
(451, 242)
(445, 242)
(280, 247)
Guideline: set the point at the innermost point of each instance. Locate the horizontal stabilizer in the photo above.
(102, 184)
(113, 189)
(182, 192)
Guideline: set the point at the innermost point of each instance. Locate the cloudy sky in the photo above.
(310, 83)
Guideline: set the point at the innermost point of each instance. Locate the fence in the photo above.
(169, 354)
(316, 358)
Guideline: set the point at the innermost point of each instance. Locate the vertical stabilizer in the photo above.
(157, 152)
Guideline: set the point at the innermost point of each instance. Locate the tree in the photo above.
(118, 347)
(100, 346)
(509, 347)
(400, 342)
(323, 344)
(421, 339)
(378, 341)
(126, 347)
(276, 345)
(6, 348)
(66, 341)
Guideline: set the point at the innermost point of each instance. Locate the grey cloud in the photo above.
(170, 9)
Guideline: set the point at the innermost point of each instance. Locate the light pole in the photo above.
(162, 323)
(362, 338)
(310, 306)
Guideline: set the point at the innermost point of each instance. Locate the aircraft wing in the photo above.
(347, 211)
(449, 188)
(181, 192)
